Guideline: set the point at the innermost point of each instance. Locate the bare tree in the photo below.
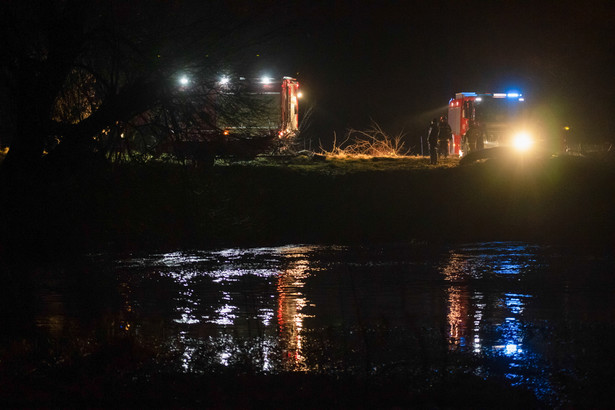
(88, 76)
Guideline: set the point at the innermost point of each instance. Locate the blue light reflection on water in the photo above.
(490, 272)
(485, 295)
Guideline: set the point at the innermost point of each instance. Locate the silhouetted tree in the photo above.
(80, 76)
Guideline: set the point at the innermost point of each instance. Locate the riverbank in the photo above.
(129, 207)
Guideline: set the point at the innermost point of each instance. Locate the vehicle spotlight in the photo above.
(522, 141)
(183, 80)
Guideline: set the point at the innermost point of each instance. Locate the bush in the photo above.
(374, 142)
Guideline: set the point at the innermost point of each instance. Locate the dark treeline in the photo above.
(84, 82)
(87, 76)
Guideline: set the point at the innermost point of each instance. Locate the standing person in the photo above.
(471, 137)
(480, 140)
(432, 140)
(445, 135)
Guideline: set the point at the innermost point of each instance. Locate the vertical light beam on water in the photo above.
(291, 302)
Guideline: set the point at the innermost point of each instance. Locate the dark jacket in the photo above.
(432, 135)
(445, 131)
(471, 137)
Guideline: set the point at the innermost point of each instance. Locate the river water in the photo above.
(534, 316)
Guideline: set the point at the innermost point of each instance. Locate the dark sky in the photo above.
(398, 62)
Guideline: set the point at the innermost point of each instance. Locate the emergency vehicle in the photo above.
(501, 117)
(241, 117)
(274, 109)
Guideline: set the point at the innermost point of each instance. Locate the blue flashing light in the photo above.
(513, 94)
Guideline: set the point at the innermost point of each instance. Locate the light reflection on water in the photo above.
(492, 325)
(214, 297)
(290, 315)
(318, 308)
(466, 300)
(287, 269)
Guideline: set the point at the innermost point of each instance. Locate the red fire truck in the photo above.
(243, 117)
(274, 107)
(501, 117)
(289, 101)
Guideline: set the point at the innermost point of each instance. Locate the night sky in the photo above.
(399, 63)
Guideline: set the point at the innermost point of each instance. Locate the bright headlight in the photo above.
(522, 141)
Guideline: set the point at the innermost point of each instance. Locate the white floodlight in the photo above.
(183, 80)
(522, 141)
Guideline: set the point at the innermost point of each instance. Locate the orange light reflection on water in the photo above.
(457, 303)
(290, 314)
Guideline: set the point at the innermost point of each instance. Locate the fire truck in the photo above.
(243, 117)
(274, 107)
(289, 104)
(502, 118)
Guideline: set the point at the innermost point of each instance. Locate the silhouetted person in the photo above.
(432, 140)
(444, 136)
(480, 141)
(472, 136)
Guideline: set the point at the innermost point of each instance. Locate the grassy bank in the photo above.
(264, 202)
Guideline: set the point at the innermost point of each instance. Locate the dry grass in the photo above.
(373, 142)
(351, 164)
(340, 164)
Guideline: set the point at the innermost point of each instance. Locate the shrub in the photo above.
(373, 142)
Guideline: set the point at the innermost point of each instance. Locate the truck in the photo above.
(501, 117)
(243, 117)
(271, 108)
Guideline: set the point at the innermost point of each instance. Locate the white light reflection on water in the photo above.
(187, 356)
(232, 307)
(225, 312)
(266, 316)
(186, 303)
(478, 318)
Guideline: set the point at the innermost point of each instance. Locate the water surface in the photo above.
(534, 316)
